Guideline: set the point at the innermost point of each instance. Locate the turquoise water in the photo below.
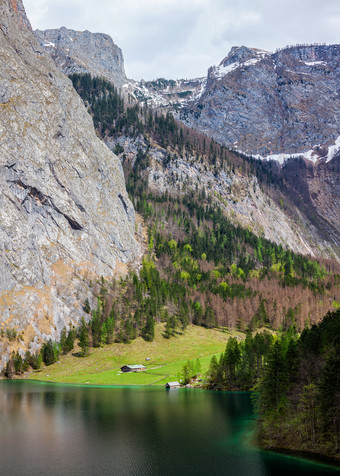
(48, 429)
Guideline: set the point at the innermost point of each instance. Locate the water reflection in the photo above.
(65, 430)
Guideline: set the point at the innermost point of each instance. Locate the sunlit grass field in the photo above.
(167, 357)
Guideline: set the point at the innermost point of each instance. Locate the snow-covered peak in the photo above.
(239, 56)
(49, 44)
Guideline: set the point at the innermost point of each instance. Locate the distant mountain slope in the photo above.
(97, 54)
(65, 217)
(262, 103)
(309, 196)
(209, 220)
(273, 105)
(84, 52)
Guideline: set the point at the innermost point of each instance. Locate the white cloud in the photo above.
(182, 38)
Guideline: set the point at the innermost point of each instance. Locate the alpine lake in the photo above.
(53, 429)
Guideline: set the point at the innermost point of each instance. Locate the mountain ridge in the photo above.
(82, 51)
(272, 105)
(268, 104)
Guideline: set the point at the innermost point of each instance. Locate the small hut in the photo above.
(133, 368)
(172, 385)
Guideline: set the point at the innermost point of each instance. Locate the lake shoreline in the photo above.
(143, 397)
(319, 458)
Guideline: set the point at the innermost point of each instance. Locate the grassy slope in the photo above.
(167, 358)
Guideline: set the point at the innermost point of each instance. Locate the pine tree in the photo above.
(148, 332)
(10, 369)
(84, 342)
(63, 341)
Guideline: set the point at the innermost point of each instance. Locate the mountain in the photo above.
(97, 54)
(167, 94)
(308, 201)
(218, 249)
(273, 201)
(66, 219)
(84, 52)
(271, 104)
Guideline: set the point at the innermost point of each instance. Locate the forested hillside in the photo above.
(299, 394)
(305, 193)
(222, 274)
(200, 266)
(297, 383)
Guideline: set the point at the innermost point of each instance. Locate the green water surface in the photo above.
(49, 429)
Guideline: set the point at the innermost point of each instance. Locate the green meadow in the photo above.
(167, 357)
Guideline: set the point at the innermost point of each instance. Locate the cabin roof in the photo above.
(135, 366)
(173, 384)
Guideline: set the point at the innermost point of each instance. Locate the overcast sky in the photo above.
(182, 38)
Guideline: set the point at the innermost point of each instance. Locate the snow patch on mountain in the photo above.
(230, 64)
(221, 71)
(313, 63)
(312, 154)
(333, 150)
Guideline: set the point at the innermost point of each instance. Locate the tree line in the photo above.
(296, 383)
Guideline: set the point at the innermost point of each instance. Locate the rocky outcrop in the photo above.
(313, 189)
(268, 104)
(84, 52)
(65, 217)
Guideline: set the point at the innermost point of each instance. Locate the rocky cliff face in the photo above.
(262, 103)
(313, 189)
(84, 52)
(97, 54)
(65, 218)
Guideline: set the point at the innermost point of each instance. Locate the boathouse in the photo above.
(133, 368)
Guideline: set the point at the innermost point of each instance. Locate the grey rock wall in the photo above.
(263, 103)
(65, 217)
(84, 52)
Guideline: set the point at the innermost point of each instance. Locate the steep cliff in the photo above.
(84, 52)
(268, 104)
(65, 217)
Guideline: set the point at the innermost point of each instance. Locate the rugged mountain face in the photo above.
(314, 189)
(65, 217)
(241, 197)
(84, 52)
(274, 105)
(267, 104)
(307, 224)
(97, 54)
(167, 94)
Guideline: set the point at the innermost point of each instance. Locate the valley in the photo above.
(191, 226)
(166, 359)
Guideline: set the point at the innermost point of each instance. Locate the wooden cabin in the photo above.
(133, 368)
